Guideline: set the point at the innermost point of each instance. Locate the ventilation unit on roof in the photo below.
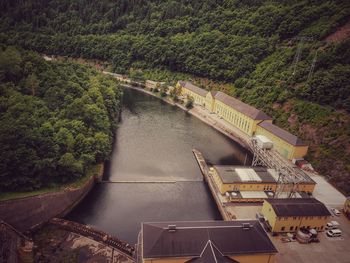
(172, 228)
(246, 226)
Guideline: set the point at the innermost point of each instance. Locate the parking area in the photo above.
(334, 250)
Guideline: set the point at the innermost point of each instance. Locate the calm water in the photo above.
(154, 142)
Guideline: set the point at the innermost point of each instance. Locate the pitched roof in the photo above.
(238, 174)
(193, 88)
(286, 136)
(189, 238)
(211, 254)
(242, 107)
(298, 207)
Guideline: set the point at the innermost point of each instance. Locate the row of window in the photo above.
(233, 118)
(237, 187)
(295, 228)
(303, 217)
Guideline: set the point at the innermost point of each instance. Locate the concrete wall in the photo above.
(27, 213)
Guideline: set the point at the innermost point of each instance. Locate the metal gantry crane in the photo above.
(288, 176)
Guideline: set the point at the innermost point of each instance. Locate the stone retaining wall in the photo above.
(28, 213)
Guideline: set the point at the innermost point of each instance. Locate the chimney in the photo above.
(171, 228)
(246, 226)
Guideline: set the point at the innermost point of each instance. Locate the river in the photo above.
(154, 142)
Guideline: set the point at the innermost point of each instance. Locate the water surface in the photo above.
(154, 142)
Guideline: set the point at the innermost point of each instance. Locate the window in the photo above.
(286, 218)
(294, 218)
(283, 228)
(291, 228)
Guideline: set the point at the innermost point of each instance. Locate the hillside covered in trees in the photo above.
(57, 119)
(272, 54)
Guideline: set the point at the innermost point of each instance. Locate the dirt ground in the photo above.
(53, 245)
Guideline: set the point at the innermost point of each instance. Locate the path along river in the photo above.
(154, 142)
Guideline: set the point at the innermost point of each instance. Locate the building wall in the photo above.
(200, 100)
(306, 187)
(242, 186)
(260, 258)
(291, 224)
(284, 148)
(209, 102)
(347, 207)
(264, 258)
(235, 118)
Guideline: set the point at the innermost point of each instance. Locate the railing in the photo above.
(95, 235)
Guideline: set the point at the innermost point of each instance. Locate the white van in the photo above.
(334, 233)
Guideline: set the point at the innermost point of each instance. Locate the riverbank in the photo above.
(203, 115)
(30, 212)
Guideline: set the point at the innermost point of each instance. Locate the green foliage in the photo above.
(189, 103)
(57, 119)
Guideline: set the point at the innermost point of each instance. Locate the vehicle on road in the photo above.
(334, 233)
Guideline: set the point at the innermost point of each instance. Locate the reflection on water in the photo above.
(154, 142)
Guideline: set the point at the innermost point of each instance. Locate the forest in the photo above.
(57, 119)
(274, 55)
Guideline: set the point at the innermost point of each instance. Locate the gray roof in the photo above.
(298, 207)
(211, 254)
(193, 88)
(229, 175)
(286, 136)
(189, 238)
(242, 107)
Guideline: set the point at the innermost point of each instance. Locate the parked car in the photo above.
(334, 233)
(335, 211)
(332, 225)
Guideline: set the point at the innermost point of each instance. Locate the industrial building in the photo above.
(246, 118)
(190, 90)
(292, 214)
(212, 241)
(251, 184)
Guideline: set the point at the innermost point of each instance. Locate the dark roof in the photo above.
(211, 254)
(298, 207)
(189, 238)
(228, 174)
(193, 88)
(286, 136)
(240, 106)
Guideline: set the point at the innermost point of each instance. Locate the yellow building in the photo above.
(190, 90)
(252, 184)
(241, 178)
(240, 115)
(243, 241)
(291, 214)
(246, 118)
(346, 208)
(287, 144)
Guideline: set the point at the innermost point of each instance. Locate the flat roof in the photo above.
(243, 174)
(283, 134)
(187, 239)
(298, 207)
(242, 107)
(193, 88)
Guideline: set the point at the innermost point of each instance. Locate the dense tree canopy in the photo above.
(57, 118)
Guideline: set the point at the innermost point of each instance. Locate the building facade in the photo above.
(252, 184)
(292, 214)
(287, 144)
(190, 90)
(245, 118)
(212, 241)
(346, 208)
